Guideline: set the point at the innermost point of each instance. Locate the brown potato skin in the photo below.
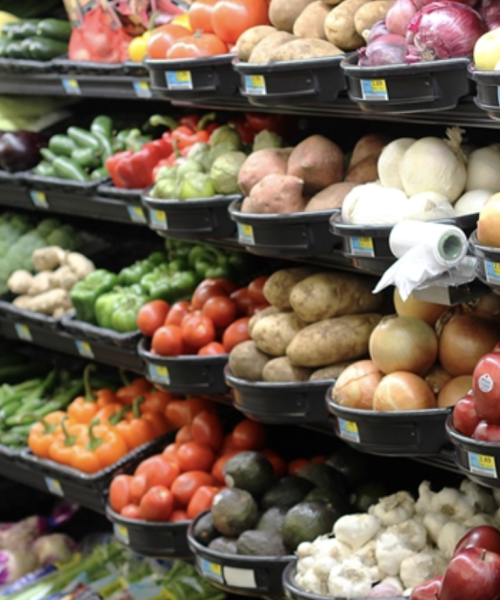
(281, 370)
(284, 13)
(250, 38)
(331, 197)
(339, 25)
(303, 49)
(369, 14)
(246, 361)
(278, 287)
(311, 21)
(261, 52)
(273, 333)
(330, 372)
(365, 171)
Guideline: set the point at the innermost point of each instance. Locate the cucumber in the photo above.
(15, 49)
(28, 29)
(55, 29)
(41, 48)
(15, 31)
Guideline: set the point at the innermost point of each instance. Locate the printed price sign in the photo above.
(211, 570)
(179, 80)
(54, 486)
(158, 219)
(23, 332)
(374, 89)
(243, 578)
(362, 246)
(39, 199)
(159, 373)
(137, 215)
(492, 271)
(481, 464)
(245, 233)
(255, 85)
(348, 430)
(121, 533)
(71, 87)
(84, 349)
(142, 89)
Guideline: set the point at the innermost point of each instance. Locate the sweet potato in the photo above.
(273, 333)
(260, 53)
(283, 13)
(369, 14)
(278, 194)
(247, 361)
(373, 143)
(278, 287)
(303, 49)
(318, 162)
(250, 38)
(364, 171)
(331, 197)
(271, 161)
(311, 21)
(339, 25)
(281, 369)
(332, 340)
(326, 295)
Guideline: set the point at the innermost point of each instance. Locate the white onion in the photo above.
(483, 169)
(428, 206)
(434, 165)
(471, 202)
(389, 161)
(356, 385)
(403, 391)
(372, 204)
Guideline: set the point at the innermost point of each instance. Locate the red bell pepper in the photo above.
(190, 121)
(280, 124)
(112, 165)
(136, 171)
(244, 128)
(186, 137)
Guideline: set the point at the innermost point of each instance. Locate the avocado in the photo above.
(353, 466)
(234, 511)
(249, 471)
(367, 494)
(322, 475)
(224, 544)
(329, 496)
(204, 531)
(306, 521)
(261, 543)
(272, 520)
(286, 492)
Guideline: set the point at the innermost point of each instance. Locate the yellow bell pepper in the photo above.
(138, 47)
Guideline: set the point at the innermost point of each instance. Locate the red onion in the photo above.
(490, 12)
(387, 49)
(399, 15)
(443, 30)
(421, 3)
(380, 28)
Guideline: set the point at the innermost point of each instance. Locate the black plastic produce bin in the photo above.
(279, 403)
(23, 76)
(211, 77)
(237, 574)
(159, 540)
(296, 82)
(28, 317)
(487, 263)
(487, 85)
(399, 433)
(12, 467)
(480, 461)
(296, 234)
(421, 87)
(184, 374)
(100, 334)
(195, 219)
(13, 192)
(88, 490)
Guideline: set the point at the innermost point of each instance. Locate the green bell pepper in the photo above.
(157, 258)
(152, 277)
(104, 308)
(124, 312)
(85, 293)
(177, 265)
(209, 262)
(134, 273)
(172, 288)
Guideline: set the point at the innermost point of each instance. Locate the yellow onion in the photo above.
(403, 391)
(437, 378)
(411, 307)
(464, 339)
(454, 390)
(355, 386)
(487, 307)
(403, 344)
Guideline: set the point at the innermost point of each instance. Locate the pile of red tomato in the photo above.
(213, 322)
(215, 25)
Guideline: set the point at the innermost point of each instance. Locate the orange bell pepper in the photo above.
(84, 408)
(156, 401)
(106, 443)
(61, 449)
(41, 435)
(132, 390)
(136, 430)
(159, 422)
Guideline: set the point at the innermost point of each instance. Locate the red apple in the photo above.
(487, 432)
(486, 387)
(465, 418)
(429, 590)
(472, 574)
(485, 536)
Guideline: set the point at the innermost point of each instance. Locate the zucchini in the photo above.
(55, 29)
(15, 49)
(28, 29)
(41, 48)
(15, 31)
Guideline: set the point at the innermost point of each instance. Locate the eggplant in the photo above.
(20, 150)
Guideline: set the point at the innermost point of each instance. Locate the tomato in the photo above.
(253, 309)
(207, 289)
(157, 504)
(151, 316)
(236, 333)
(318, 459)
(198, 331)
(200, 15)
(186, 485)
(163, 38)
(182, 412)
(243, 301)
(221, 310)
(230, 18)
(158, 471)
(255, 290)
(212, 349)
(167, 341)
(228, 444)
(178, 515)
(138, 487)
(279, 465)
(193, 456)
(296, 465)
(201, 500)
(249, 435)
(131, 511)
(225, 284)
(177, 312)
(197, 46)
(184, 435)
(206, 428)
(218, 468)
(170, 453)
(119, 492)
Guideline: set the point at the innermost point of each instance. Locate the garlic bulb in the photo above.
(389, 161)
(332, 547)
(480, 519)
(450, 535)
(390, 552)
(424, 501)
(452, 503)
(323, 565)
(483, 169)
(304, 549)
(366, 555)
(350, 580)
(433, 523)
(471, 202)
(393, 509)
(412, 534)
(422, 566)
(428, 206)
(356, 530)
(311, 583)
(305, 564)
(480, 498)
(372, 204)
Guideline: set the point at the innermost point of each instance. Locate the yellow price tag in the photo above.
(245, 233)
(379, 85)
(488, 462)
(162, 371)
(366, 242)
(496, 268)
(351, 427)
(247, 230)
(184, 76)
(258, 81)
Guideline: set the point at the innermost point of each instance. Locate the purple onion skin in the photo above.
(387, 49)
(20, 150)
(379, 29)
